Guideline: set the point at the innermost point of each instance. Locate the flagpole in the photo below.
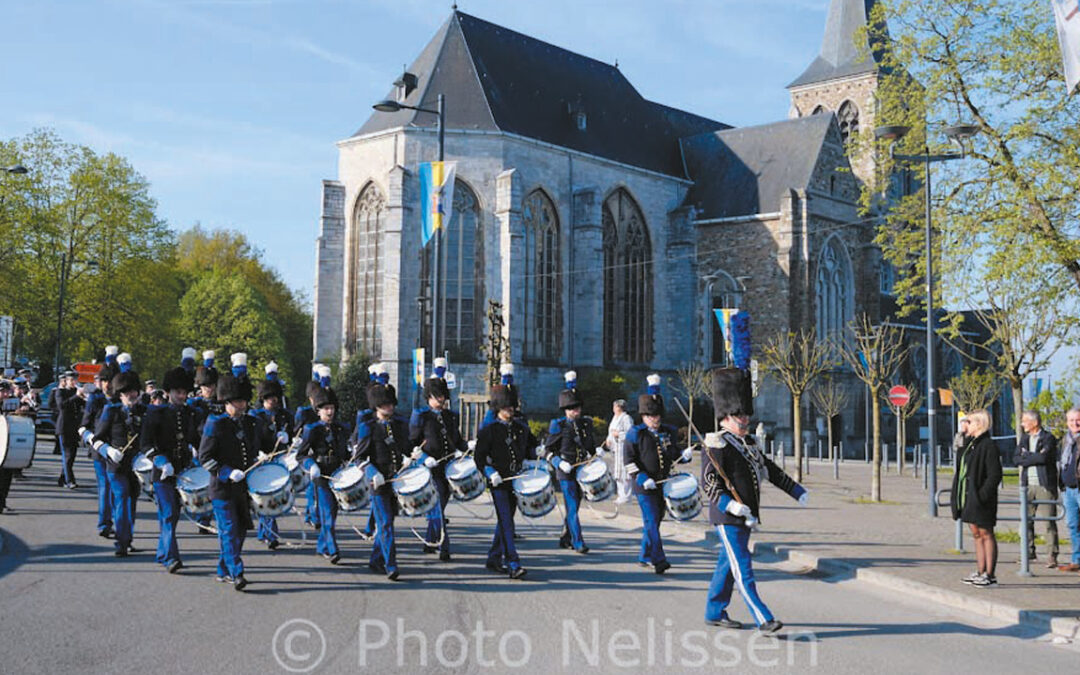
(440, 129)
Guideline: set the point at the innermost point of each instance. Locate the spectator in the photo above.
(1067, 480)
(974, 495)
(1037, 458)
(615, 441)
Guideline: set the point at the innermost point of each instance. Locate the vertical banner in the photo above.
(723, 317)
(436, 197)
(1067, 19)
(418, 366)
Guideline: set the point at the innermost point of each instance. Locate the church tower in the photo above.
(842, 79)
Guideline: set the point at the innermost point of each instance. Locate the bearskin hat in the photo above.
(325, 396)
(268, 388)
(178, 378)
(650, 404)
(232, 388)
(379, 395)
(126, 381)
(731, 392)
(206, 376)
(436, 386)
(503, 396)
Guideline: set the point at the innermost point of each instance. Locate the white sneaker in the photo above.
(622, 500)
(972, 578)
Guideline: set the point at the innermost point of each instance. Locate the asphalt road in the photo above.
(68, 605)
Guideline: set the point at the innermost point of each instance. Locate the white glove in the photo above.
(314, 471)
(687, 454)
(752, 522)
(649, 484)
(282, 438)
(430, 462)
(194, 451)
(406, 462)
(263, 457)
(458, 454)
(114, 453)
(236, 476)
(377, 481)
(564, 466)
(738, 510)
(416, 452)
(600, 451)
(804, 498)
(472, 444)
(167, 470)
(496, 479)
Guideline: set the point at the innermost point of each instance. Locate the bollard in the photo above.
(959, 535)
(1025, 563)
(926, 470)
(915, 459)
(819, 455)
(866, 452)
(885, 456)
(836, 465)
(783, 457)
(807, 463)
(841, 449)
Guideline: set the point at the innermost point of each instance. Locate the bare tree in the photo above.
(693, 383)
(497, 349)
(829, 398)
(974, 389)
(915, 401)
(796, 359)
(873, 354)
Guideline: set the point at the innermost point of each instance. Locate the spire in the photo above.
(840, 57)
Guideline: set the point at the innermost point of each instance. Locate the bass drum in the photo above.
(17, 440)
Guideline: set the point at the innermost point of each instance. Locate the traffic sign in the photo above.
(899, 396)
(86, 371)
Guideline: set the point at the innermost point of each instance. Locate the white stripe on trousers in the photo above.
(734, 564)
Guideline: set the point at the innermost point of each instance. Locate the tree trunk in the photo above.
(1018, 407)
(796, 403)
(875, 481)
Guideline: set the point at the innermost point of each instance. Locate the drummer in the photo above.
(571, 443)
(231, 443)
(325, 445)
(650, 454)
(114, 437)
(435, 435)
(506, 379)
(95, 404)
(167, 436)
(501, 450)
(376, 372)
(306, 415)
(205, 405)
(278, 427)
(382, 441)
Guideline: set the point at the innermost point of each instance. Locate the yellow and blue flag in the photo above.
(723, 317)
(418, 366)
(436, 197)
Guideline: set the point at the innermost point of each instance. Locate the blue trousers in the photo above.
(311, 513)
(230, 538)
(369, 529)
(328, 508)
(268, 529)
(572, 494)
(1071, 501)
(104, 497)
(123, 507)
(652, 514)
(436, 518)
(733, 566)
(502, 546)
(168, 507)
(384, 552)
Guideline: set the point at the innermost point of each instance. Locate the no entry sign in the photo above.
(899, 396)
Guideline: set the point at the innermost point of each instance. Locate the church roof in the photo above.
(839, 55)
(744, 171)
(496, 79)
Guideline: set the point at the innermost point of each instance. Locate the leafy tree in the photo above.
(974, 389)
(351, 383)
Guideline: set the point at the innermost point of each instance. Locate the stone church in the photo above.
(608, 226)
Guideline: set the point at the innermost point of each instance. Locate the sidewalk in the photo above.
(898, 546)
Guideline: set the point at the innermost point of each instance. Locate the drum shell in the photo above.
(17, 440)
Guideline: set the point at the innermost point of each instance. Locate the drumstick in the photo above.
(719, 470)
(260, 462)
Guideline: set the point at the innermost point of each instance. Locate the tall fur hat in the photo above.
(503, 396)
(311, 388)
(126, 381)
(380, 395)
(178, 378)
(651, 403)
(206, 376)
(268, 388)
(231, 388)
(325, 396)
(436, 386)
(731, 392)
(569, 397)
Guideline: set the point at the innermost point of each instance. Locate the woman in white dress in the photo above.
(615, 442)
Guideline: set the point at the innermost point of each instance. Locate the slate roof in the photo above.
(746, 171)
(839, 56)
(498, 79)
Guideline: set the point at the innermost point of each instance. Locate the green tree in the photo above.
(974, 389)
(351, 383)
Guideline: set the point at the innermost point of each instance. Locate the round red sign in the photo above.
(899, 396)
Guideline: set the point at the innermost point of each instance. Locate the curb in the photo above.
(1065, 627)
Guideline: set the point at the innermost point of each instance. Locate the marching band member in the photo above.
(95, 404)
(435, 436)
(570, 443)
(506, 379)
(114, 435)
(64, 389)
(306, 415)
(650, 454)
(110, 357)
(278, 428)
(732, 473)
(375, 373)
(167, 435)
(326, 445)
(205, 405)
(231, 443)
(501, 450)
(382, 441)
(187, 360)
(208, 357)
(271, 370)
(67, 417)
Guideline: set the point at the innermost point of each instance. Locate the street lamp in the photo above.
(957, 134)
(60, 310)
(18, 169)
(392, 106)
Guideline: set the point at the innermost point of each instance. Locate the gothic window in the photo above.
(848, 118)
(818, 110)
(364, 333)
(628, 281)
(543, 306)
(461, 280)
(954, 364)
(723, 293)
(917, 363)
(835, 302)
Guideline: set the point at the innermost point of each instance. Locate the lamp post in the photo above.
(391, 106)
(957, 134)
(18, 169)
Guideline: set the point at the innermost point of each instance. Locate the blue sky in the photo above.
(231, 108)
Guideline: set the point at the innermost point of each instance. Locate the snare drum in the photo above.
(143, 467)
(17, 440)
(193, 484)
(682, 496)
(596, 481)
(298, 477)
(270, 489)
(350, 487)
(415, 491)
(535, 494)
(464, 479)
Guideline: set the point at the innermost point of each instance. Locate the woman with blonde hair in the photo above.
(975, 495)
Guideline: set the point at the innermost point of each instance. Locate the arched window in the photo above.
(917, 364)
(363, 330)
(848, 118)
(543, 306)
(723, 292)
(819, 110)
(835, 302)
(461, 278)
(628, 281)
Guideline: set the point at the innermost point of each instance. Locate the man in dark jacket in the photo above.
(68, 417)
(1036, 455)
